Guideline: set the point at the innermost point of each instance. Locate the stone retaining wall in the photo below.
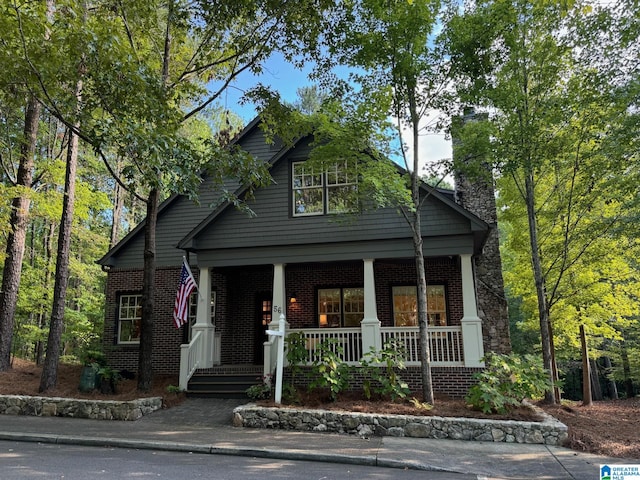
(549, 431)
(68, 407)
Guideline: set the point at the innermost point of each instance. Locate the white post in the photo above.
(203, 319)
(279, 339)
(280, 359)
(471, 323)
(370, 324)
(279, 310)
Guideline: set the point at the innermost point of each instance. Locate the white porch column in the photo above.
(203, 319)
(278, 314)
(370, 324)
(471, 323)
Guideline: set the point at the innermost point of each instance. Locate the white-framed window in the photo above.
(320, 193)
(129, 318)
(340, 307)
(405, 306)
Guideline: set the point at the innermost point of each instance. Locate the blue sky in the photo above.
(277, 73)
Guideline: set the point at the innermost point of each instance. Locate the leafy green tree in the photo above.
(400, 73)
(550, 111)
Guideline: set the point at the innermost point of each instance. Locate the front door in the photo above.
(263, 319)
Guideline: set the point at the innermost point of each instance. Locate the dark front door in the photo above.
(263, 319)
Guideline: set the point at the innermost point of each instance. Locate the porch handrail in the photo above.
(350, 339)
(445, 344)
(189, 359)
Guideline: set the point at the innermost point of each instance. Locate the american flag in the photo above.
(185, 287)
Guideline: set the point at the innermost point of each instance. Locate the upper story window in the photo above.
(320, 193)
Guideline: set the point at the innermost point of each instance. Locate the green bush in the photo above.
(506, 381)
(260, 391)
(296, 353)
(329, 370)
(380, 367)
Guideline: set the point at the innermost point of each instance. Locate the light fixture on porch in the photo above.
(292, 298)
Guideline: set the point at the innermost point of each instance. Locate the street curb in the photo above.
(364, 460)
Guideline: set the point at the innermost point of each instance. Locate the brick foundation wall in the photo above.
(448, 382)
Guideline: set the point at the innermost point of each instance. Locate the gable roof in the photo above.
(197, 226)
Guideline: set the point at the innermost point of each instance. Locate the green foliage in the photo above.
(297, 354)
(175, 389)
(93, 357)
(506, 381)
(260, 391)
(328, 369)
(420, 405)
(380, 367)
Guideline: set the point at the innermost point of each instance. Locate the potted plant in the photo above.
(108, 380)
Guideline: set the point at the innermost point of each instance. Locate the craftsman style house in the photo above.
(299, 261)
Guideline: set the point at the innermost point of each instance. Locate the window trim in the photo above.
(342, 311)
(120, 319)
(325, 187)
(443, 285)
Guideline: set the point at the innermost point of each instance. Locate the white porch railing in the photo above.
(189, 359)
(445, 342)
(349, 338)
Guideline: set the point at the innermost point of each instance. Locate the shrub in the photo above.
(329, 370)
(506, 381)
(260, 391)
(296, 353)
(380, 366)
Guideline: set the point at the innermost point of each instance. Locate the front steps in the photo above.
(224, 382)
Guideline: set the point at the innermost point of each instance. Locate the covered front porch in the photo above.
(454, 346)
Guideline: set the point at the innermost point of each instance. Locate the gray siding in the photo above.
(273, 224)
(174, 222)
(273, 234)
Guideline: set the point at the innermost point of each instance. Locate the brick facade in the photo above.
(166, 338)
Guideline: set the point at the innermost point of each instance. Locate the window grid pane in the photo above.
(308, 191)
(353, 300)
(436, 305)
(129, 316)
(329, 307)
(405, 306)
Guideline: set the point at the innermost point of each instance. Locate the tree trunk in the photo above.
(416, 227)
(595, 381)
(118, 206)
(425, 347)
(18, 233)
(543, 311)
(626, 370)
(50, 369)
(49, 375)
(145, 363)
(612, 388)
(586, 373)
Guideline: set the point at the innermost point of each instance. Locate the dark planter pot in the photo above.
(107, 386)
(88, 379)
